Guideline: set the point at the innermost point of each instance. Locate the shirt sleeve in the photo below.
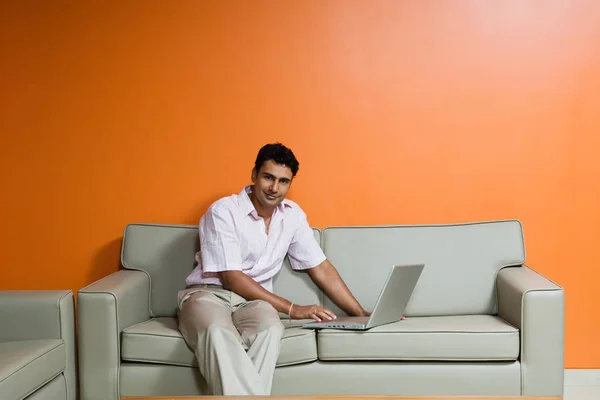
(304, 251)
(219, 242)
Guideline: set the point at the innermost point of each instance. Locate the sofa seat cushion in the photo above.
(448, 338)
(159, 341)
(27, 365)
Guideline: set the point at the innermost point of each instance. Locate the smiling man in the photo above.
(228, 313)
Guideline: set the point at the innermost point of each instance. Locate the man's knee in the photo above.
(201, 315)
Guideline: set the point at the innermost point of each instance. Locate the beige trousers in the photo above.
(236, 342)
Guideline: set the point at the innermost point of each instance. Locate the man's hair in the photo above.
(279, 154)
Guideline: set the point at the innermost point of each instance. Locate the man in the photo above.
(228, 313)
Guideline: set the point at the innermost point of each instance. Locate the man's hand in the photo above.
(313, 311)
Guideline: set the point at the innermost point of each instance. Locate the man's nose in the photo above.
(274, 186)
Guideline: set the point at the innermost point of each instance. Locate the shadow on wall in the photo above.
(106, 260)
(200, 208)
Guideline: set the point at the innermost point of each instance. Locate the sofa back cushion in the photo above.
(461, 262)
(166, 254)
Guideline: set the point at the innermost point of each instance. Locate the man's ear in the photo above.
(253, 177)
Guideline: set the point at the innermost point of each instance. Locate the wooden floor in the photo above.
(343, 397)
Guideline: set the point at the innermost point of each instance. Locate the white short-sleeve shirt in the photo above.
(233, 238)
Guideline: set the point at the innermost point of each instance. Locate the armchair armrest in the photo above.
(104, 309)
(535, 305)
(41, 314)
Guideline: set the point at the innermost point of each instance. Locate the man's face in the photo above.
(271, 183)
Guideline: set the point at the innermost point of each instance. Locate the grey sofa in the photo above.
(480, 322)
(37, 345)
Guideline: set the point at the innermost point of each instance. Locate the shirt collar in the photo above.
(248, 208)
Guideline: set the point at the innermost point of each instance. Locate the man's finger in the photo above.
(329, 314)
(316, 314)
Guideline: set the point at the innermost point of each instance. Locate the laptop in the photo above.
(391, 303)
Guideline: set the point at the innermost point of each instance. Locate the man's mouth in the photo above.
(270, 196)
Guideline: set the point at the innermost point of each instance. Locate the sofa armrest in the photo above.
(535, 305)
(42, 314)
(35, 314)
(104, 309)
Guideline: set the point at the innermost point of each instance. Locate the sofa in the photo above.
(37, 345)
(480, 322)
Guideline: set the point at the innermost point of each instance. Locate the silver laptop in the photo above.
(390, 305)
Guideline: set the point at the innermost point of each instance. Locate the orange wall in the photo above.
(399, 112)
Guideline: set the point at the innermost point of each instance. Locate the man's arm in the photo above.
(329, 280)
(248, 288)
(304, 253)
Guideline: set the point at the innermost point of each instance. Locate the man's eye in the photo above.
(267, 177)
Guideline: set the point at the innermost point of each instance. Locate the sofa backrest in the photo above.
(461, 262)
(166, 254)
